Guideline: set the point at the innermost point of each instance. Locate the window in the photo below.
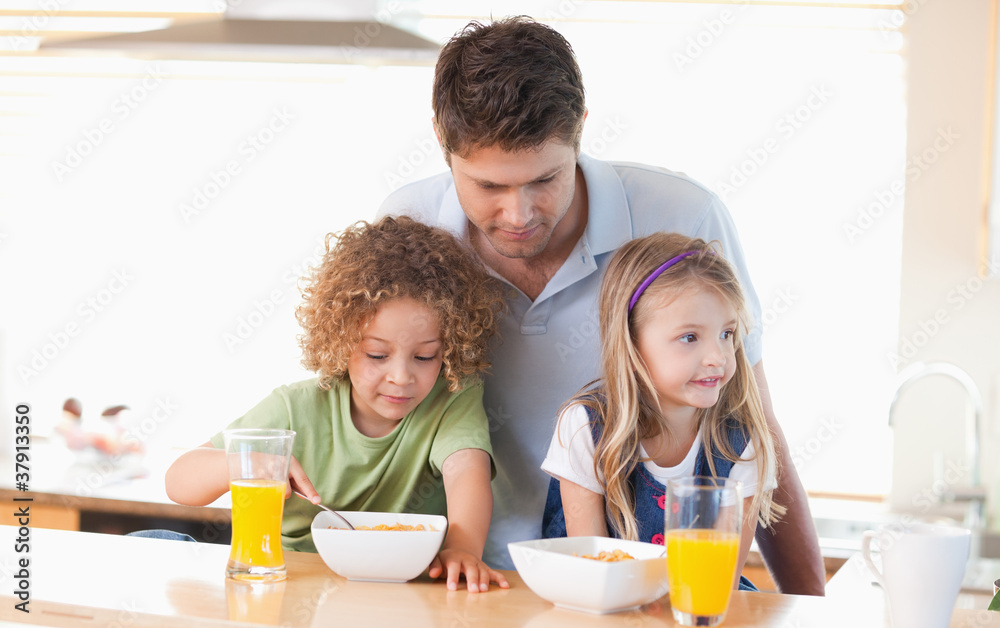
(158, 213)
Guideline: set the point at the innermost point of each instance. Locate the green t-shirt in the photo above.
(399, 472)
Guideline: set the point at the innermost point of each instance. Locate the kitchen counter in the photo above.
(78, 578)
(115, 491)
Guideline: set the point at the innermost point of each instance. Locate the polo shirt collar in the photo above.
(608, 228)
(451, 216)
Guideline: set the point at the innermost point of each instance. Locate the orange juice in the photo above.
(701, 565)
(257, 509)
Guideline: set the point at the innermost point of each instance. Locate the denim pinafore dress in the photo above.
(650, 495)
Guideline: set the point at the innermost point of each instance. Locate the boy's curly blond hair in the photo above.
(392, 258)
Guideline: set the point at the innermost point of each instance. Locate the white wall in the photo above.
(949, 62)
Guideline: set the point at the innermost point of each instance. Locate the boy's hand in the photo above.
(299, 481)
(455, 563)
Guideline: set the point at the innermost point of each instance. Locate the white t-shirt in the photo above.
(571, 457)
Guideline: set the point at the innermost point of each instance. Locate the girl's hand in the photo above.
(455, 563)
(299, 481)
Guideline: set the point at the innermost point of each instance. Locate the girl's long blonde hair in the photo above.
(628, 405)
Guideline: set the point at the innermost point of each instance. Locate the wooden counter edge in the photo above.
(121, 506)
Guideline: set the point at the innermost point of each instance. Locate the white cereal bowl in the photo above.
(378, 555)
(550, 569)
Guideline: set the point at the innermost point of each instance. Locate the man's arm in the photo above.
(790, 547)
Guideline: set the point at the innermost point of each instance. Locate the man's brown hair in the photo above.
(512, 84)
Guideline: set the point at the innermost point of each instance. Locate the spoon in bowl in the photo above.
(332, 512)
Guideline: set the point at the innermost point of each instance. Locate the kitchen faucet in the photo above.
(975, 494)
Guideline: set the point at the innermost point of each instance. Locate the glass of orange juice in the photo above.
(258, 471)
(702, 529)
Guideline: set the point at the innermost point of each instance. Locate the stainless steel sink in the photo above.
(841, 537)
(989, 546)
(847, 533)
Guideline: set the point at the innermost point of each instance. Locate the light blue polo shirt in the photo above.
(551, 347)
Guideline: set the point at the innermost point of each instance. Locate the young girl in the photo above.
(677, 398)
(396, 319)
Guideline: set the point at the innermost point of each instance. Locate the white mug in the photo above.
(922, 569)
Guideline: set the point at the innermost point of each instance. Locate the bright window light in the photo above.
(158, 214)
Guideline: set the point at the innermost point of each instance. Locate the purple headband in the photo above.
(656, 273)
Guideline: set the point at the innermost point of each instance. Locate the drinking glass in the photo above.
(258, 471)
(704, 516)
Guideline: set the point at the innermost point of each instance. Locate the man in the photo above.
(509, 110)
